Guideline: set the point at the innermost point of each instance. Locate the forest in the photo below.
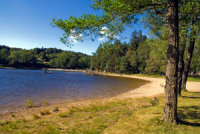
(42, 57)
(141, 55)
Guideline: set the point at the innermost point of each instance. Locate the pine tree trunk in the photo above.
(181, 57)
(188, 60)
(180, 69)
(170, 109)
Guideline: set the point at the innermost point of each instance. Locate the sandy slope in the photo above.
(154, 87)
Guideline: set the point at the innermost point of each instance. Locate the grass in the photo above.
(56, 109)
(194, 78)
(190, 78)
(128, 116)
(45, 112)
(35, 117)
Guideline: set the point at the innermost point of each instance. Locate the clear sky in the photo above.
(26, 23)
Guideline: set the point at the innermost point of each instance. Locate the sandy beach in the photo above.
(153, 88)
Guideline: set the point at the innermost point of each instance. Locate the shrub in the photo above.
(45, 102)
(29, 103)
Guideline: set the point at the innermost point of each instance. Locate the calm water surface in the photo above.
(16, 86)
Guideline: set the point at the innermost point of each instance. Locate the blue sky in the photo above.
(26, 23)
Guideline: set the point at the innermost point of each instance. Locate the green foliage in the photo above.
(43, 57)
(195, 65)
(115, 15)
(156, 63)
(122, 58)
(45, 102)
(29, 103)
(4, 53)
(119, 13)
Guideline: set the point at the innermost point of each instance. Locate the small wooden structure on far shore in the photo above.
(46, 71)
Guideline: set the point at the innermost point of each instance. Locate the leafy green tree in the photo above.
(4, 53)
(84, 62)
(22, 58)
(189, 10)
(195, 65)
(116, 13)
(142, 56)
(156, 62)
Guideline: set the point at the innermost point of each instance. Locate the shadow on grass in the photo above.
(190, 113)
(189, 123)
(191, 97)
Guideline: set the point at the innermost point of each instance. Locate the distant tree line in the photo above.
(140, 55)
(43, 57)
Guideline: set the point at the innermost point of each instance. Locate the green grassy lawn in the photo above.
(128, 116)
(196, 78)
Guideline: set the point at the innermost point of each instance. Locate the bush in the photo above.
(45, 102)
(29, 103)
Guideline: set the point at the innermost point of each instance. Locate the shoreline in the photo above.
(154, 87)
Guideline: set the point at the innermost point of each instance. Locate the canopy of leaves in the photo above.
(115, 15)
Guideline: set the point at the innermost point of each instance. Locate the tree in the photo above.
(195, 66)
(189, 13)
(183, 40)
(188, 58)
(156, 62)
(116, 13)
(4, 53)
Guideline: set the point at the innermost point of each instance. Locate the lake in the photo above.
(18, 85)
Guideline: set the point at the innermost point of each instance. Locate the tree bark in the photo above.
(188, 59)
(182, 44)
(170, 109)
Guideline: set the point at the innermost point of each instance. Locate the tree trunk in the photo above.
(188, 59)
(170, 109)
(181, 57)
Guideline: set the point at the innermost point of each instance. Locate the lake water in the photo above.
(17, 85)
